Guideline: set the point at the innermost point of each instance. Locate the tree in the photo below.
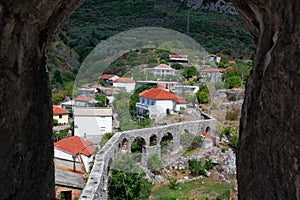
(202, 97)
(127, 180)
(234, 81)
(102, 100)
(189, 72)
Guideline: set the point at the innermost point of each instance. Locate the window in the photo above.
(67, 195)
(60, 116)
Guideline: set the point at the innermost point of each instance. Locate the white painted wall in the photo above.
(178, 106)
(67, 156)
(63, 120)
(163, 105)
(128, 86)
(92, 125)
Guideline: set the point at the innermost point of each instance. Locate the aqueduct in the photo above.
(268, 152)
(96, 187)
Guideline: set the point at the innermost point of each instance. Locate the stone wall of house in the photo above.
(96, 187)
(75, 192)
(218, 6)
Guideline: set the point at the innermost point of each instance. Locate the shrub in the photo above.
(197, 167)
(232, 116)
(154, 163)
(173, 185)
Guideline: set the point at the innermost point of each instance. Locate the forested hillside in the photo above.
(97, 20)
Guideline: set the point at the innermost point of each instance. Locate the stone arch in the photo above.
(125, 144)
(207, 129)
(109, 165)
(166, 142)
(153, 140)
(138, 145)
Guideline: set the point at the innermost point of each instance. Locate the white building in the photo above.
(85, 101)
(213, 58)
(75, 149)
(178, 58)
(61, 115)
(155, 103)
(127, 83)
(186, 89)
(211, 75)
(163, 70)
(92, 121)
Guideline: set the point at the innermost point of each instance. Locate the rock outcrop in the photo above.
(26, 150)
(218, 6)
(268, 153)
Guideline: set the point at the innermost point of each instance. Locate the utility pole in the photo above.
(188, 23)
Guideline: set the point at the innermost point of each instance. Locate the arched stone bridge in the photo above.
(96, 187)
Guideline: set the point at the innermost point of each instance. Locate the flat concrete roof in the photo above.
(92, 111)
(65, 176)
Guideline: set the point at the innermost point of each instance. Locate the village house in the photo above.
(163, 70)
(186, 89)
(68, 183)
(89, 122)
(127, 83)
(109, 78)
(213, 58)
(72, 157)
(61, 115)
(157, 102)
(75, 149)
(109, 92)
(85, 101)
(177, 58)
(210, 75)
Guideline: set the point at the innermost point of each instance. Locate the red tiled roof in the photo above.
(59, 111)
(107, 76)
(211, 70)
(207, 135)
(160, 94)
(162, 66)
(75, 145)
(124, 80)
(83, 98)
(177, 56)
(180, 100)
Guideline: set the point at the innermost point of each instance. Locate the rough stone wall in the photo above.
(26, 149)
(96, 187)
(268, 154)
(217, 6)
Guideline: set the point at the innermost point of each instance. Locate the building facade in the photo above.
(92, 121)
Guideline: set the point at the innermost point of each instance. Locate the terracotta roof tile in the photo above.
(107, 76)
(160, 94)
(75, 145)
(211, 70)
(177, 56)
(207, 135)
(163, 66)
(83, 98)
(59, 111)
(124, 80)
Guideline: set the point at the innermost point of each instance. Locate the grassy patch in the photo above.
(194, 189)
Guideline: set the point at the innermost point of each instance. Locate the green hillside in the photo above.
(97, 20)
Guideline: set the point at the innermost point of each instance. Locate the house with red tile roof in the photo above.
(155, 103)
(75, 149)
(211, 75)
(61, 115)
(85, 101)
(109, 78)
(163, 70)
(127, 83)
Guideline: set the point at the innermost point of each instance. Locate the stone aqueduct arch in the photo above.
(267, 159)
(96, 187)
